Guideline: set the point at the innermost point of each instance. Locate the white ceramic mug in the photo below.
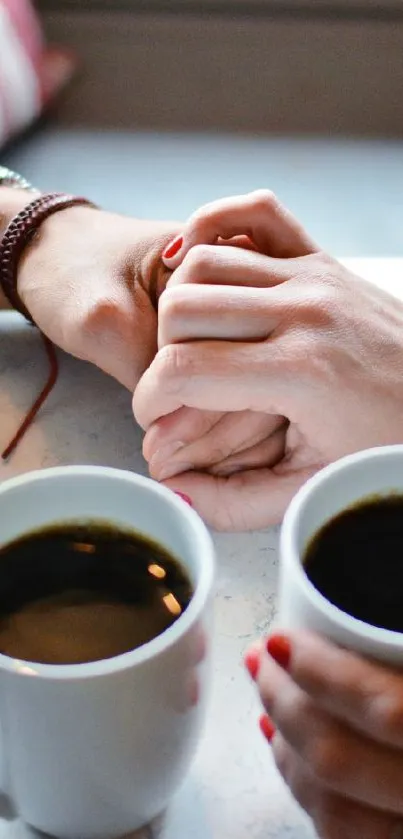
(373, 472)
(94, 751)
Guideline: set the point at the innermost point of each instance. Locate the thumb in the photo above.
(245, 501)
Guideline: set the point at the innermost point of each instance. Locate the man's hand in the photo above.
(215, 441)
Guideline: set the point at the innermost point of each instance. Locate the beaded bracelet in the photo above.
(15, 238)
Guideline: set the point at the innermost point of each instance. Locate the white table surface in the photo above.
(233, 790)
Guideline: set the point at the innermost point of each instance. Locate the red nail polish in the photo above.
(252, 663)
(279, 647)
(267, 727)
(173, 248)
(184, 497)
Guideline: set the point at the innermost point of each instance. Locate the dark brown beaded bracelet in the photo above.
(15, 238)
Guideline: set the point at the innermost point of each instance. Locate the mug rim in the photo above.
(289, 546)
(166, 639)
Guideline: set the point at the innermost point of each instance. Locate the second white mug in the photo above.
(372, 472)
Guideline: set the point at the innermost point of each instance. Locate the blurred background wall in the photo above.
(273, 66)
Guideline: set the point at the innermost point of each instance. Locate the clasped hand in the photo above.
(272, 362)
(271, 359)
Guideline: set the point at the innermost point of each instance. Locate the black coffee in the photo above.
(356, 562)
(80, 593)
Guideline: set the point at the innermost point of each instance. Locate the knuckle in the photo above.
(204, 216)
(326, 267)
(386, 712)
(172, 305)
(325, 260)
(328, 760)
(265, 200)
(197, 261)
(317, 307)
(172, 365)
(219, 451)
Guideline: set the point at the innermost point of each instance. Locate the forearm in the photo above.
(151, 238)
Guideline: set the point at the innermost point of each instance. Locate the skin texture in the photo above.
(299, 339)
(339, 737)
(91, 281)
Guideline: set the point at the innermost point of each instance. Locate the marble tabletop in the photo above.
(232, 790)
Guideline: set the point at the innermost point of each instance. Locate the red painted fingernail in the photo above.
(252, 663)
(173, 248)
(279, 647)
(267, 727)
(184, 497)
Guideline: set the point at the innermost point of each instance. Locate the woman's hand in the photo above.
(91, 281)
(300, 338)
(336, 728)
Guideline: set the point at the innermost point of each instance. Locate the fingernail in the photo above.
(173, 248)
(279, 647)
(252, 663)
(184, 497)
(267, 727)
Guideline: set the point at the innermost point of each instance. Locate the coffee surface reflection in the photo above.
(74, 593)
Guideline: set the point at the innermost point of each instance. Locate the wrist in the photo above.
(41, 253)
(23, 234)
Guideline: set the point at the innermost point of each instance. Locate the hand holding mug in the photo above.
(335, 714)
(336, 730)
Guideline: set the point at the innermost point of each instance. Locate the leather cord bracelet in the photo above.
(16, 237)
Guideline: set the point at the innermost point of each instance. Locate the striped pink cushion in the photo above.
(30, 73)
